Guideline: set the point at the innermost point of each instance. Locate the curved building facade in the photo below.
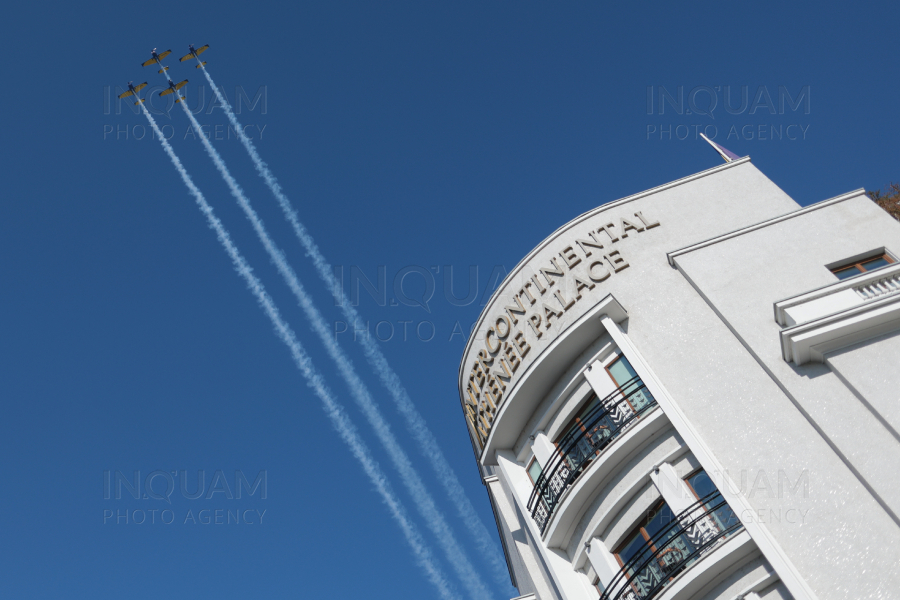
(693, 393)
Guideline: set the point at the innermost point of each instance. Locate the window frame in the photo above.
(856, 262)
(611, 359)
(608, 366)
(641, 528)
(651, 514)
(528, 469)
(687, 477)
(576, 419)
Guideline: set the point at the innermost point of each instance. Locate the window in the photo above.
(655, 551)
(845, 270)
(541, 511)
(641, 542)
(621, 371)
(625, 377)
(534, 470)
(589, 432)
(702, 486)
(578, 421)
(588, 435)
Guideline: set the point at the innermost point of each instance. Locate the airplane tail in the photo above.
(164, 69)
(201, 64)
(141, 101)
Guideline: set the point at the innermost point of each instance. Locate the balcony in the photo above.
(612, 416)
(693, 534)
(838, 315)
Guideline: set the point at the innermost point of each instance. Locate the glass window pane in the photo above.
(701, 483)
(579, 420)
(534, 470)
(635, 546)
(875, 263)
(622, 371)
(588, 407)
(845, 273)
(663, 518)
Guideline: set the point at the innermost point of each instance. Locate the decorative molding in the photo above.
(583, 217)
(838, 295)
(520, 402)
(574, 499)
(810, 341)
(689, 583)
(764, 539)
(725, 236)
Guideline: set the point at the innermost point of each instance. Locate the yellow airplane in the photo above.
(133, 90)
(157, 58)
(174, 87)
(195, 54)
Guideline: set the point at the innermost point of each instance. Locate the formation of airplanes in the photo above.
(157, 58)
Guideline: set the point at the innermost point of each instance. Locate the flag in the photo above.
(728, 155)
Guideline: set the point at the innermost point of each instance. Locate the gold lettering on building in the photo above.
(505, 345)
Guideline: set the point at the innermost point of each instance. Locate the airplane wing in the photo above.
(202, 49)
(185, 57)
(178, 86)
(166, 92)
(126, 94)
(138, 88)
(162, 55)
(147, 63)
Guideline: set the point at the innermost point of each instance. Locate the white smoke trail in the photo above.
(415, 423)
(422, 499)
(335, 412)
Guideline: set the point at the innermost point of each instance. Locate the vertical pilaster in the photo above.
(603, 561)
(558, 566)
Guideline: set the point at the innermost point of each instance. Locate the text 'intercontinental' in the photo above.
(543, 299)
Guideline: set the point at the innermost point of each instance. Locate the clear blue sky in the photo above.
(407, 134)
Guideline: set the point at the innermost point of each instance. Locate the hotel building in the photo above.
(694, 393)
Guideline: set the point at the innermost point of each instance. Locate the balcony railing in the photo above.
(580, 446)
(880, 287)
(693, 534)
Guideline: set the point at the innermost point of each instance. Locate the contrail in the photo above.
(415, 423)
(422, 499)
(335, 412)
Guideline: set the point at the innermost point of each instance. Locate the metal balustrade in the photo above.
(580, 446)
(693, 533)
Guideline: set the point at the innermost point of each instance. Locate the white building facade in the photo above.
(694, 393)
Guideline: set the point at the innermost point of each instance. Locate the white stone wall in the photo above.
(800, 453)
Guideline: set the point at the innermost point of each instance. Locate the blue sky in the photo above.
(410, 136)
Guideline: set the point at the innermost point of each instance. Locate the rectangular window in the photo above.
(655, 551)
(864, 265)
(589, 432)
(641, 542)
(702, 486)
(625, 377)
(534, 470)
(578, 421)
(585, 436)
(541, 511)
